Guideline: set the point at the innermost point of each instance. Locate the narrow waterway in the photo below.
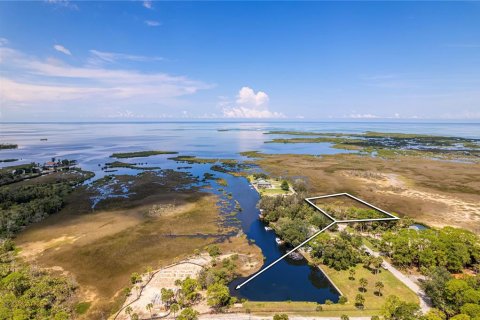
(289, 279)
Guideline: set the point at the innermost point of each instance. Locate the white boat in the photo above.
(268, 228)
(295, 255)
(278, 241)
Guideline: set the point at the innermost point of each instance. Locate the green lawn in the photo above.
(268, 308)
(274, 191)
(350, 288)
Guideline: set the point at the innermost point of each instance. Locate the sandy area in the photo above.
(393, 184)
(149, 290)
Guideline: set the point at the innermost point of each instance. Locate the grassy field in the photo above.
(350, 288)
(101, 249)
(304, 309)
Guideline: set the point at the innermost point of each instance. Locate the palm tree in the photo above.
(351, 272)
(377, 263)
(134, 316)
(149, 308)
(379, 286)
(363, 284)
(174, 308)
(359, 300)
(149, 272)
(128, 310)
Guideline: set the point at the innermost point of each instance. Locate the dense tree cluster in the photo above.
(439, 254)
(452, 248)
(23, 204)
(454, 297)
(396, 309)
(222, 272)
(292, 218)
(340, 252)
(27, 293)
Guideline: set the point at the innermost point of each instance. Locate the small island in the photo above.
(8, 146)
(139, 154)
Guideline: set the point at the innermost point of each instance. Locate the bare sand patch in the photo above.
(393, 184)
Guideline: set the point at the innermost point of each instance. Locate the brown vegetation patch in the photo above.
(434, 192)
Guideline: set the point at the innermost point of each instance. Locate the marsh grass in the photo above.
(104, 247)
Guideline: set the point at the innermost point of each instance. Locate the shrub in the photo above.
(342, 300)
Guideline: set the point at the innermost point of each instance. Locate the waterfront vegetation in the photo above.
(291, 217)
(8, 146)
(119, 164)
(139, 154)
(31, 201)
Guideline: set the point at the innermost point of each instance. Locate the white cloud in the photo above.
(148, 4)
(63, 3)
(29, 81)
(249, 104)
(362, 116)
(246, 96)
(3, 42)
(62, 49)
(112, 57)
(152, 23)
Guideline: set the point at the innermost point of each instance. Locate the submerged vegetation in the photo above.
(119, 164)
(138, 154)
(379, 142)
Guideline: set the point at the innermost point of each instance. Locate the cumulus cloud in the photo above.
(152, 23)
(62, 49)
(148, 4)
(249, 104)
(29, 81)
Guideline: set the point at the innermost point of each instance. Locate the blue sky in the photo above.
(142, 60)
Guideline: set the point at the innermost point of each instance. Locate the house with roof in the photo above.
(263, 184)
